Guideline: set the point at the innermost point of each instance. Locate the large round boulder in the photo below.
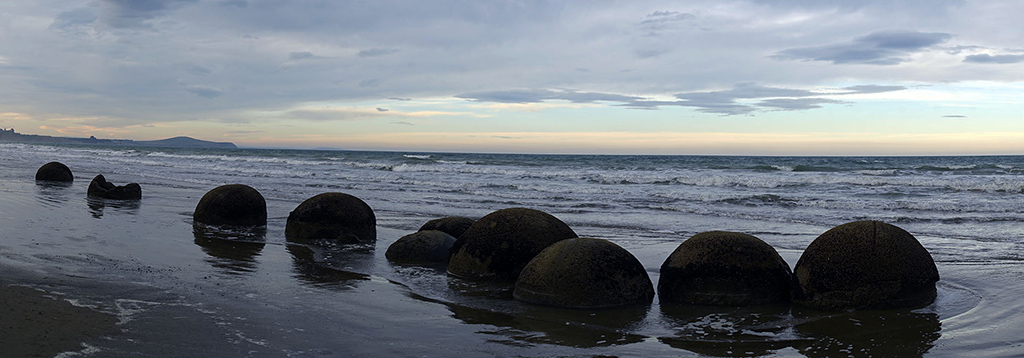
(335, 217)
(865, 264)
(101, 188)
(499, 245)
(232, 204)
(54, 171)
(584, 273)
(724, 268)
(421, 247)
(453, 225)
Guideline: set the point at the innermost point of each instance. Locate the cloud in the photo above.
(135, 14)
(294, 56)
(884, 48)
(403, 123)
(74, 20)
(376, 52)
(795, 104)
(399, 99)
(954, 116)
(997, 59)
(658, 21)
(382, 109)
(540, 95)
(205, 91)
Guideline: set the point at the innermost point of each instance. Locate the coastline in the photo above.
(37, 323)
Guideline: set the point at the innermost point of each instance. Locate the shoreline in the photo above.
(37, 323)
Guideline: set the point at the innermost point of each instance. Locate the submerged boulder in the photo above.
(865, 264)
(584, 273)
(232, 204)
(421, 247)
(101, 188)
(54, 171)
(724, 268)
(452, 225)
(499, 245)
(336, 217)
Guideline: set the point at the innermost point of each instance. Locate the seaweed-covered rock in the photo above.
(724, 268)
(232, 204)
(865, 264)
(453, 225)
(101, 188)
(336, 217)
(54, 171)
(421, 247)
(584, 273)
(499, 245)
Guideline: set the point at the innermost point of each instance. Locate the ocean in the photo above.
(176, 294)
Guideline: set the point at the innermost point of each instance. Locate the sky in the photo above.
(788, 77)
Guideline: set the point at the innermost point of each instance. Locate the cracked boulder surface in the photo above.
(865, 265)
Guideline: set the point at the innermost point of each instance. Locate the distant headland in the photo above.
(9, 135)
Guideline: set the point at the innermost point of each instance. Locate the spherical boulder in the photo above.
(421, 247)
(232, 204)
(54, 171)
(335, 217)
(865, 264)
(499, 245)
(453, 225)
(101, 188)
(584, 273)
(724, 268)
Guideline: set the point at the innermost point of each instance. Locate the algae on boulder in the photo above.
(232, 204)
(865, 264)
(500, 244)
(421, 247)
(336, 217)
(584, 273)
(724, 268)
(54, 171)
(101, 188)
(453, 225)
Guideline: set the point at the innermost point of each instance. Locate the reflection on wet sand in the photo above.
(233, 251)
(891, 333)
(761, 331)
(337, 267)
(52, 193)
(516, 323)
(722, 331)
(97, 205)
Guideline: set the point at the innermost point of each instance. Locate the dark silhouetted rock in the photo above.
(499, 245)
(865, 264)
(724, 268)
(101, 188)
(421, 247)
(584, 273)
(54, 171)
(336, 217)
(232, 204)
(453, 225)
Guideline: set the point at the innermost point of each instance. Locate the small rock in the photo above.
(54, 171)
(101, 188)
(421, 247)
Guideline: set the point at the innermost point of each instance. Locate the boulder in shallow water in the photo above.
(724, 268)
(101, 188)
(54, 171)
(584, 273)
(453, 225)
(499, 245)
(232, 204)
(421, 247)
(335, 217)
(865, 264)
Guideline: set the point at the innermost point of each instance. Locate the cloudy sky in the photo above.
(662, 77)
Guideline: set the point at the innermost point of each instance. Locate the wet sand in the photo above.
(34, 323)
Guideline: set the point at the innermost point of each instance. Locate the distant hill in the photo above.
(8, 135)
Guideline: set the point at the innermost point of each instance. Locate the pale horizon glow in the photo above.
(562, 77)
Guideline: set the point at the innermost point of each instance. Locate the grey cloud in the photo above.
(403, 123)
(866, 89)
(535, 96)
(379, 109)
(300, 55)
(954, 116)
(370, 83)
(72, 19)
(135, 13)
(796, 104)
(663, 20)
(375, 52)
(879, 48)
(997, 59)
(205, 91)
(399, 99)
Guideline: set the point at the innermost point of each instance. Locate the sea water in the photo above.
(179, 294)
